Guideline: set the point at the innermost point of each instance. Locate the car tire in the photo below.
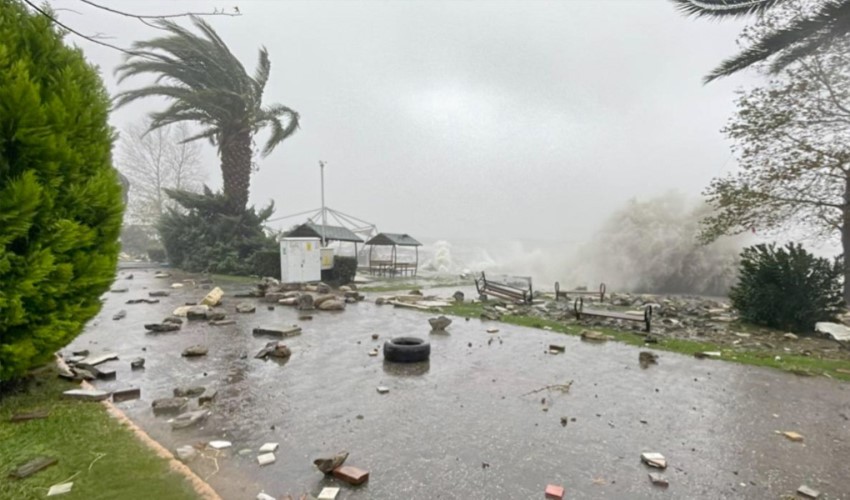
(407, 350)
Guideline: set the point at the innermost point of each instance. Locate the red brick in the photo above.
(553, 491)
(351, 475)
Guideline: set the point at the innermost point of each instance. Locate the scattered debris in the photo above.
(33, 466)
(142, 301)
(60, 489)
(176, 320)
(266, 459)
(275, 349)
(327, 465)
(646, 358)
(188, 419)
(245, 307)
(195, 351)
(593, 336)
(492, 330)
(656, 460)
(558, 387)
(658, 480)
(837, 331)
(161, 327)
(383, 389)
(120, 315)
(137, 364)
(564, 421)
(213, 298)
(177, 285)
(120, 290)
(351, 475)
(207, 398)
(285, 332)
(269, 447)
(200, 312)
(790, 336)
(707, 354)
(126, 394)
(188, 391)
(158, 293)
(440, 323)
(554, 491)
(186, 453)
(33, 415)
(793, 436)
(374, 352)
(219, 445)
(98, 359)
(86, 394)
(328, 493)
(165, 406)
(556, 348)
(808, 492)
(162, 274)
(458, 296)
(223, 322)
(262, 496)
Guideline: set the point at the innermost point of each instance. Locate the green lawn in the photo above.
(801, 365)
(102, 458)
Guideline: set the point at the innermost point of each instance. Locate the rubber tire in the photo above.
(407, 350)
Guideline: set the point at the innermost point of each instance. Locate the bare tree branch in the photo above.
(216, 12)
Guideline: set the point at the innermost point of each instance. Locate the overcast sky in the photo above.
(469, 119)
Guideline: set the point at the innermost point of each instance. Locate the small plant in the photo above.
(787, 288)
(342, 273)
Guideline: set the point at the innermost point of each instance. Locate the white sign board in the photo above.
(300, 260)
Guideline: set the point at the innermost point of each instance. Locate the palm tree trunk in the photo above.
(845, 239)
(236, 169)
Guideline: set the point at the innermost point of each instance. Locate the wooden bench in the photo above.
(581, 312)
(565, 293)
(505, 291)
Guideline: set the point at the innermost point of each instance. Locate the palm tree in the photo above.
(208, 85)
(801, 37)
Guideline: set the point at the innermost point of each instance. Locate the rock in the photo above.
(262, 496)
(656, 460)
(328, 493)
(492, 330)
(100, 358)
(269, 448)
(556, 348)
(304, 302)
(321, 299)
(490, 315)
(305, 317)
(439, 323)
(345, 289)
(161, 327)
(351, 475)
(332, 305)
(186, 453)
(646, 358)
(207, 398)
(219, 445)
(290, 331)
(194, 351)
(375, 336)
(120, 290)
(137, 364)
(177, 285)
(126, 394)
(213, 298)
(415, 292)
(793, 436)
(458, 296)
(188, 419)
(327, 465)
(380, 301)
(161, 274)
(275, 349)
(266, 459)
(383, 390)
(790, 336)
(707, 354)
(808, 492)
(245, 307)
(554, 491)
(273, 297)
(106, 374)
(835, 330)
(32, 466)
(119, 315)
(593, 336)
(193, 313)
(174, 320)
(658, 480)
(292, 301)
(188, 391)
(216, 316)
(374, 352)
(223, 322)
(60, 489)
(86, 394)
(142, 301)
(322, 288)
(169, 406)
(158, 293)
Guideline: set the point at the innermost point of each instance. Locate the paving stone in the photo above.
(186, 453)
(808, 492)
(188, 391)
(268, 447)
(126, 394)
(266, 459)
(351, 475)
(86, 394)
(793, 436)
(654, 460)
(220, 445)
(328, 493)
(554, 491)
(166, 406)
(658, 480)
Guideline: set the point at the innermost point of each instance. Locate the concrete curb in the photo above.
(201, 487)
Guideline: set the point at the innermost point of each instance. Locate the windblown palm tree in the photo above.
(207, 84)
(801, 37)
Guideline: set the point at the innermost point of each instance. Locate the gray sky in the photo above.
(480, 119)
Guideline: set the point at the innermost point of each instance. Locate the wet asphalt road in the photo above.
(460, 426)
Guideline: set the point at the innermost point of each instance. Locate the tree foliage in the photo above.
(60, 199)
(208, 237)
(787, 288)
(822, 23)
(208, 85)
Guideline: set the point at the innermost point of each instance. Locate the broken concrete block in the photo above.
(213, 298)
(593, 336)
(119, 315)
(245, 307)
(332, 305)
(268, 447)
(207, 398)
(290, 331)
(656, 460)
(106, 374)
(351, 475)
(223, 322)
(167, 406)
(658, 480)
(220, 445)
(793, 436)
(266, 459)
(188, 391)
(31, 467)
(99, 358)
(158, 293)
(60, 489)
(86, 394)
(275, 349)
(262, 496)
(556, 348)
(186, 453)
(194, 351)
(137, 364)
(328, 493)
(161, 274)
(216, 316)
(188, 419)
(142, 301)
(194, 313)
(492, 330)
(373, 352)
(808, 492)
(161, 327)
(554, 491)
(707, 354)
(439, 323)
(383, 390)
(126, 394)
(327, 465)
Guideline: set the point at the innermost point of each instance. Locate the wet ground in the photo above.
(463, 426)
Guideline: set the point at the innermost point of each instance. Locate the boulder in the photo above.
(304, 302)
(332, 305)
(322, 288)
(328, 464)
(439, 323)
(458, 296)
(318, 301)
(275, 349)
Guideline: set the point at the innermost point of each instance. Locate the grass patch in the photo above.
(77, 434)
(800, 365)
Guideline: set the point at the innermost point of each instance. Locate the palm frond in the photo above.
(280, 132)
(724, 8)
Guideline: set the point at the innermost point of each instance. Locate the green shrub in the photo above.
(157, 255)
(137, 239)
(787, 288)
(342, 273)
(60, 199)
(209, 238)
(266, 263)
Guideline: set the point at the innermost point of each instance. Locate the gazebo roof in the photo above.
(331, 233)
(402, 240)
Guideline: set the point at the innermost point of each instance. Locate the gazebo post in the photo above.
(371, 249)
(395, 268)
(416, 266)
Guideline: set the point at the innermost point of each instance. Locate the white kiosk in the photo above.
(300, 260)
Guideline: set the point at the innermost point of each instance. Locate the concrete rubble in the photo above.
(439, 323)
